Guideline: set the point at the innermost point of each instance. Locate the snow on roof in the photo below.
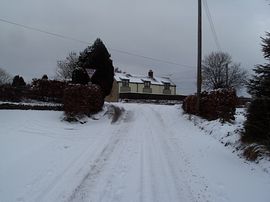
(141, 79)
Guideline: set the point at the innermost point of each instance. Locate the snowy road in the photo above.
(139, 161)
(150, 154)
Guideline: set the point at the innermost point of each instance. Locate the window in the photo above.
(167, 86)
(125, 82)
(147, 84)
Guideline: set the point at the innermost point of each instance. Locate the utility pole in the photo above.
(199, 56)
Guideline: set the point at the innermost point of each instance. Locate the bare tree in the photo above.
(65, 67)
(4, 77)
(218, 71)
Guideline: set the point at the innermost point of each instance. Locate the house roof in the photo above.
(141, 79)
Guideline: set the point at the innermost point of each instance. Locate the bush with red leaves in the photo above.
(82, 100)
(10, 93)
(47, 90)
(216, 104)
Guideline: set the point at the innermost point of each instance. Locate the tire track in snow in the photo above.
(88, 181)
(174, 145)
(164, 170)
(147, 170)
(160, 177)
(71, 169)
(141, 170)
(75, 168)
(86, 189)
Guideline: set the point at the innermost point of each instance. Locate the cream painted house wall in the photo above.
(114, 95)
(133, 87)
(138, 87)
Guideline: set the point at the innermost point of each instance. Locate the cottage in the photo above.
(148, 84)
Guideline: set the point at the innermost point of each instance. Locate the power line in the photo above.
(84, 42)
(151, 58)
(43, 31)
(211, 23)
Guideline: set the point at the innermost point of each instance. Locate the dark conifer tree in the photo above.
(45, 77)
(94, 56)
(18, 81)
(80, 76)
(257, 125)
(97, 57)
(259, 85)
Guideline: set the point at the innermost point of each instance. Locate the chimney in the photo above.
(150, 74)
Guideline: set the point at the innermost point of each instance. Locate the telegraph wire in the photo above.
(87, 43)
(43, 31)
(150, 58)
(211, 23)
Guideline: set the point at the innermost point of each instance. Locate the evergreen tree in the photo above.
(18, 81)
(80, 76)
(94, 56)
(257, 125)
(97, 57)
(45, 77)
(259, 85)
(266, 46)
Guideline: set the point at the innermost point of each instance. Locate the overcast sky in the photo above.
(161, 29)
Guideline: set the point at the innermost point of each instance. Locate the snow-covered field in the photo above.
(152, 153)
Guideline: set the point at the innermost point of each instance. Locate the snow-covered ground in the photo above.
(31, 103)
(228, 134)
(152, 153)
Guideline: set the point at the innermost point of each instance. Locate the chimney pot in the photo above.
(150, 74)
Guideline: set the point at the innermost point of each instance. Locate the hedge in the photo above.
(216, 104)
(82, 99)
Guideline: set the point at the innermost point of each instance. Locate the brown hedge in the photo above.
(82, 99)
(216, 104)
(40, 89)
(11, 93)
(47, 90)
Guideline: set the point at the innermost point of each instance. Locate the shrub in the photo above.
(47, 90)
(189, 104)
(82, 100)
(257, 125)
(18, 81)
(10, 93)
(45, 77)
(40, 89)
(219, 103)
(253, 151)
